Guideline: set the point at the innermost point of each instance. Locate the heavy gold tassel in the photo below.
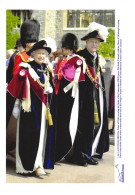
(47, 113)
(96, 118)
(49, 117)
(50, 120)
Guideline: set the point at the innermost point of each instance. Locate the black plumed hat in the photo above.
(69, 41)
(96, 30)
(39, 45)
(29, 32)
(93, 34)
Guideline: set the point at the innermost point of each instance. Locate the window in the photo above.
(82, 18)
(22, 14)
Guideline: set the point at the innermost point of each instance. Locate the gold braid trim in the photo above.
(23, 58)
(79, 49)
(90, 75)
(96, 76)
(51, 70)
(47, 113)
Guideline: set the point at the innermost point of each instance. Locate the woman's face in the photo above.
(92, 44)
(39, 56)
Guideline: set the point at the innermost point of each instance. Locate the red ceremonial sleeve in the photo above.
(18, 86)
(20, 57)
(17, 61)
(61, 62)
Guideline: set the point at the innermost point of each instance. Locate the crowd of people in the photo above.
(54, 94)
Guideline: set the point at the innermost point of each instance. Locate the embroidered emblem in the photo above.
(79, 62)
(22, 73)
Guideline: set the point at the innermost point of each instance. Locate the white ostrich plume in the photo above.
(102, 30)
(50, 43)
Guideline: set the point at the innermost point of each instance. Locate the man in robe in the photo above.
(79, 138)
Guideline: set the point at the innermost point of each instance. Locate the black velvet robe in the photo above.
(85, 132)
(9, 99)
(29, 131)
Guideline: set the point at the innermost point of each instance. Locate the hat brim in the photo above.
(48, 49)
(93, 34)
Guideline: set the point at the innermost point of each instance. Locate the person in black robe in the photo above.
(9, 73)
(90, 139)
(111, 107)
(29, 34)
(35, 116)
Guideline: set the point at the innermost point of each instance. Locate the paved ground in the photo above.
(67, 173)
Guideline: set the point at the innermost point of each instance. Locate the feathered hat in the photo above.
(51, 43)
(39, 45)
(69, 41)
(97, 31)
(29, 32)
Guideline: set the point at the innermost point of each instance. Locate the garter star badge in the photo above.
(79, 62)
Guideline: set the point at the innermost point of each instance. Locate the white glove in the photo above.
(16, 109)
(48, 90)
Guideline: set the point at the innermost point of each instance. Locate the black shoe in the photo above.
(80, 162)
(91, 161)
(98, 156)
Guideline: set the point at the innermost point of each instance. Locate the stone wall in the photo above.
(59, 26)
(50, 24)
(53, 23)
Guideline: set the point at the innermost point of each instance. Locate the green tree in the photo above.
(11, 35)
(107, 50)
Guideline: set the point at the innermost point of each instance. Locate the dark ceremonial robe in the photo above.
(103, 143)
(11, 126)
(111, 98)
(13, 67)
(59, 73)
(85, 133)
(11, 122)
(9, 72)
(31, 145)
(49, 157)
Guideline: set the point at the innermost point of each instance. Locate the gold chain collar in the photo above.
(45, 84)
(94, 80)
(97, 74)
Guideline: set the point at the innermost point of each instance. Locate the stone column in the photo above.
(50, 23)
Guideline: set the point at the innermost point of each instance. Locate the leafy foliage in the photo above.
(11, 35)
(107, 50)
